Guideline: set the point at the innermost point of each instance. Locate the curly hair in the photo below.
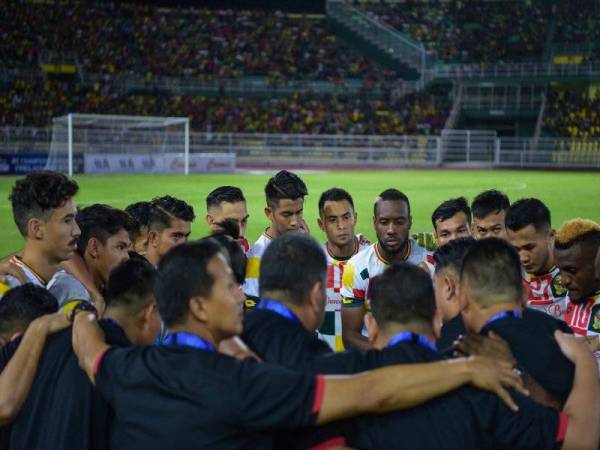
(36, 195)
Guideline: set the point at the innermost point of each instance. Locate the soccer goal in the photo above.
(97, 143)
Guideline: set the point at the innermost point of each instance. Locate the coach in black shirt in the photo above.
(63, 410)
(401, 325)
(491, 289)
(185, 395)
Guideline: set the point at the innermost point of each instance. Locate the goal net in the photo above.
(96, 143)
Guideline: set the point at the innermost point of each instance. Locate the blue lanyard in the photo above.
(278, 308)
(407, 336)
(190, 340)
(502, 315)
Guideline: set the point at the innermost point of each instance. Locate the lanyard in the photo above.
(502, 315)
(190, 340)
(278, 308)
(407, 336)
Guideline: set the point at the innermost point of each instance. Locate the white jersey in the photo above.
(546, 293)
(68, 290)
(331, 330)
(11, 282)
(254, 256)
(584, 318)
(367, 264)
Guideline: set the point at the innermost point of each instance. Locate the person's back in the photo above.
(215, 401)
(401, 327)
(63, 410)
(463, 419)
(531, 340)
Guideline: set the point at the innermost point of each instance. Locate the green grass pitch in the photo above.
(567, 194)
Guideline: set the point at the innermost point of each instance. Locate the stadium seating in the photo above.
(34, 102)
(470, 31)
(573, 113)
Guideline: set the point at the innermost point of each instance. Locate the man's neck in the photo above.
(271, 233)
(197, 329)
(487, 313)
(152, 256)
(344, 251)
(548, 266)
(399, 256)
(300, 311)
(37, 260)
(94, 274)
(390, 330)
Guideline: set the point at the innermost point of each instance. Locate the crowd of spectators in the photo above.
(122, 38)
(470, 31)
(577, 22)
(35, 102)
(573, 113)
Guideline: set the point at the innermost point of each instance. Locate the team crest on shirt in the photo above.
(558, 290)
(594, 324)
(364, 274)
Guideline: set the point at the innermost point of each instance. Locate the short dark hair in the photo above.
(450, 256)
(280, 262)
(284, 185)
(101, 222)
(22, 305)
(390, 195)
(492, 271)
(334, 195)
(182, 274)
(489, 202)
(37, 194)
(139, 212)
(449, 208)
(403, 293)
(164, 209)
(130, 284)
(229, 194)
(237, 257)
(528, 211)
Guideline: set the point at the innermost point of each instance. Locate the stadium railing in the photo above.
(515, 71)
(240, 86)
(459, 147)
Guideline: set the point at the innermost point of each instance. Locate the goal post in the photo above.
(98, 143)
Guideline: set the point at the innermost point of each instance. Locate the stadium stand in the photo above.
(473, 31)
(573, 113)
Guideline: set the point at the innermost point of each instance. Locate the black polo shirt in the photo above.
(182, 397)
(451, 330)
(463, 419)
(63, 410)
(281, 340)
(531, 339)
(6, 353)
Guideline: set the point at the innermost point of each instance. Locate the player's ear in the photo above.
(321, 224)
(269, 213)
(152, 238)
(210, 220)
(372, 327)
(552, 233)
(91, 247)
(35, 228)
(450, 288)
(198, 310)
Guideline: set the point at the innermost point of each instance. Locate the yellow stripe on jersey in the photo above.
(70, 306)
(253, 267)
(348, 276)
(4, 288)
(339, 344)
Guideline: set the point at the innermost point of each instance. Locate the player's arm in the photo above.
(405, 386)
(353, 308)
(76, 267)
(352, 325)
(583, 404)
(19, 373)
(88, 343)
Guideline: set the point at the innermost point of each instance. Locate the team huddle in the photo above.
(119, 332)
